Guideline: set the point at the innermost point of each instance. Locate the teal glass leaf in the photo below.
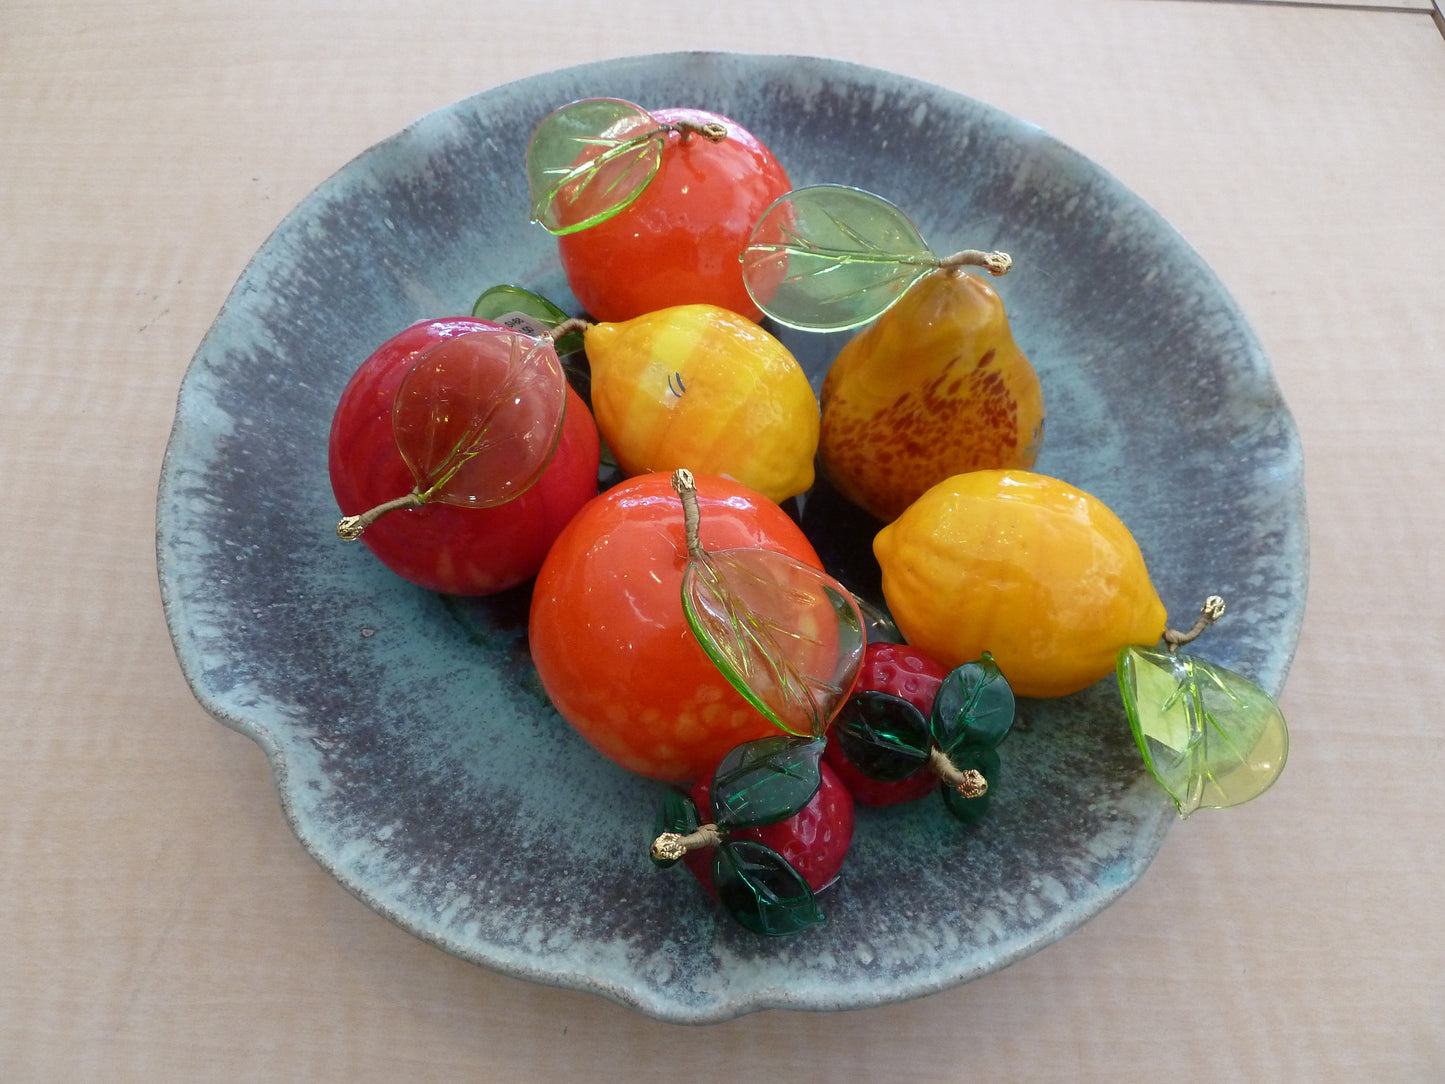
(986, 763)
(477, 418)
(675, 813)
(829, 257)
(973, 708)
(1211, 738)
(589, 159)
(761, 890)
(882, 735)
(765, 781)
(786, 635)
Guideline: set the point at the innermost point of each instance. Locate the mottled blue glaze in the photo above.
(414, 752)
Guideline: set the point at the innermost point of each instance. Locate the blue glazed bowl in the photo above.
(414, 752)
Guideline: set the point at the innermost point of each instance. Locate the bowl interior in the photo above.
(414, 751)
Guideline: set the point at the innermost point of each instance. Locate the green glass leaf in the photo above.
(986, 763)
(829, 257)
(973, 708)
(504, 299)
(765, 781)
(589, 160)
(522, 310)
(787, 636)
(477, 418)
(1211, 738)
(675, 813)
(882, 735)
(761, 890)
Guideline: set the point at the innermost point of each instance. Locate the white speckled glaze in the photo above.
(413, 750)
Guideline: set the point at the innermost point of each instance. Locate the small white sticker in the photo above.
(520, 321)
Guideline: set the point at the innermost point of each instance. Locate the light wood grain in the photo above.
(158, 920)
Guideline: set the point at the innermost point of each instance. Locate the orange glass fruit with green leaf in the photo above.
(667, 639)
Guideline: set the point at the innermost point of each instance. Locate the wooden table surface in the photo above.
(158, 920)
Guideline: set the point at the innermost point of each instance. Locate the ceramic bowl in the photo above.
(414, 752)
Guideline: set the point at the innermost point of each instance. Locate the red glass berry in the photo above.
(908, 673)
(814, 840)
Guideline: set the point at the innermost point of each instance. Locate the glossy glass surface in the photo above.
(1211, 737)
(829, 258)
(766, 781)
(589, 160)
(786, 635)
(761, 890)
(974, 707)
(477, 417)
(882, 735)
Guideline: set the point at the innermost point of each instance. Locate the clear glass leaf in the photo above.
(761, 890)
(589, 159)
(973, 708)
(882, 735)
(829, 257)
(1211, 738)
(477, 417)
(787, 636)
(676, 813)
(765, 781)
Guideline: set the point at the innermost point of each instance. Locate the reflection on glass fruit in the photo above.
(679, 239)
(1027, 567)
(701, 387)
(609, 637)
(935, 387)
(440, 545)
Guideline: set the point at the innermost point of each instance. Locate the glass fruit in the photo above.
(653, 207)
(765, 865)
(441, 546)
(1027, 567)
(935, 387)
(609, 638)
(700, 387)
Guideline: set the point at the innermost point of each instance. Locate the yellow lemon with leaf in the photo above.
(1042, 575)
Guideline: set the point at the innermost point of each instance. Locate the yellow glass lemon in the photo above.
(1043, 575)
(701, 387)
